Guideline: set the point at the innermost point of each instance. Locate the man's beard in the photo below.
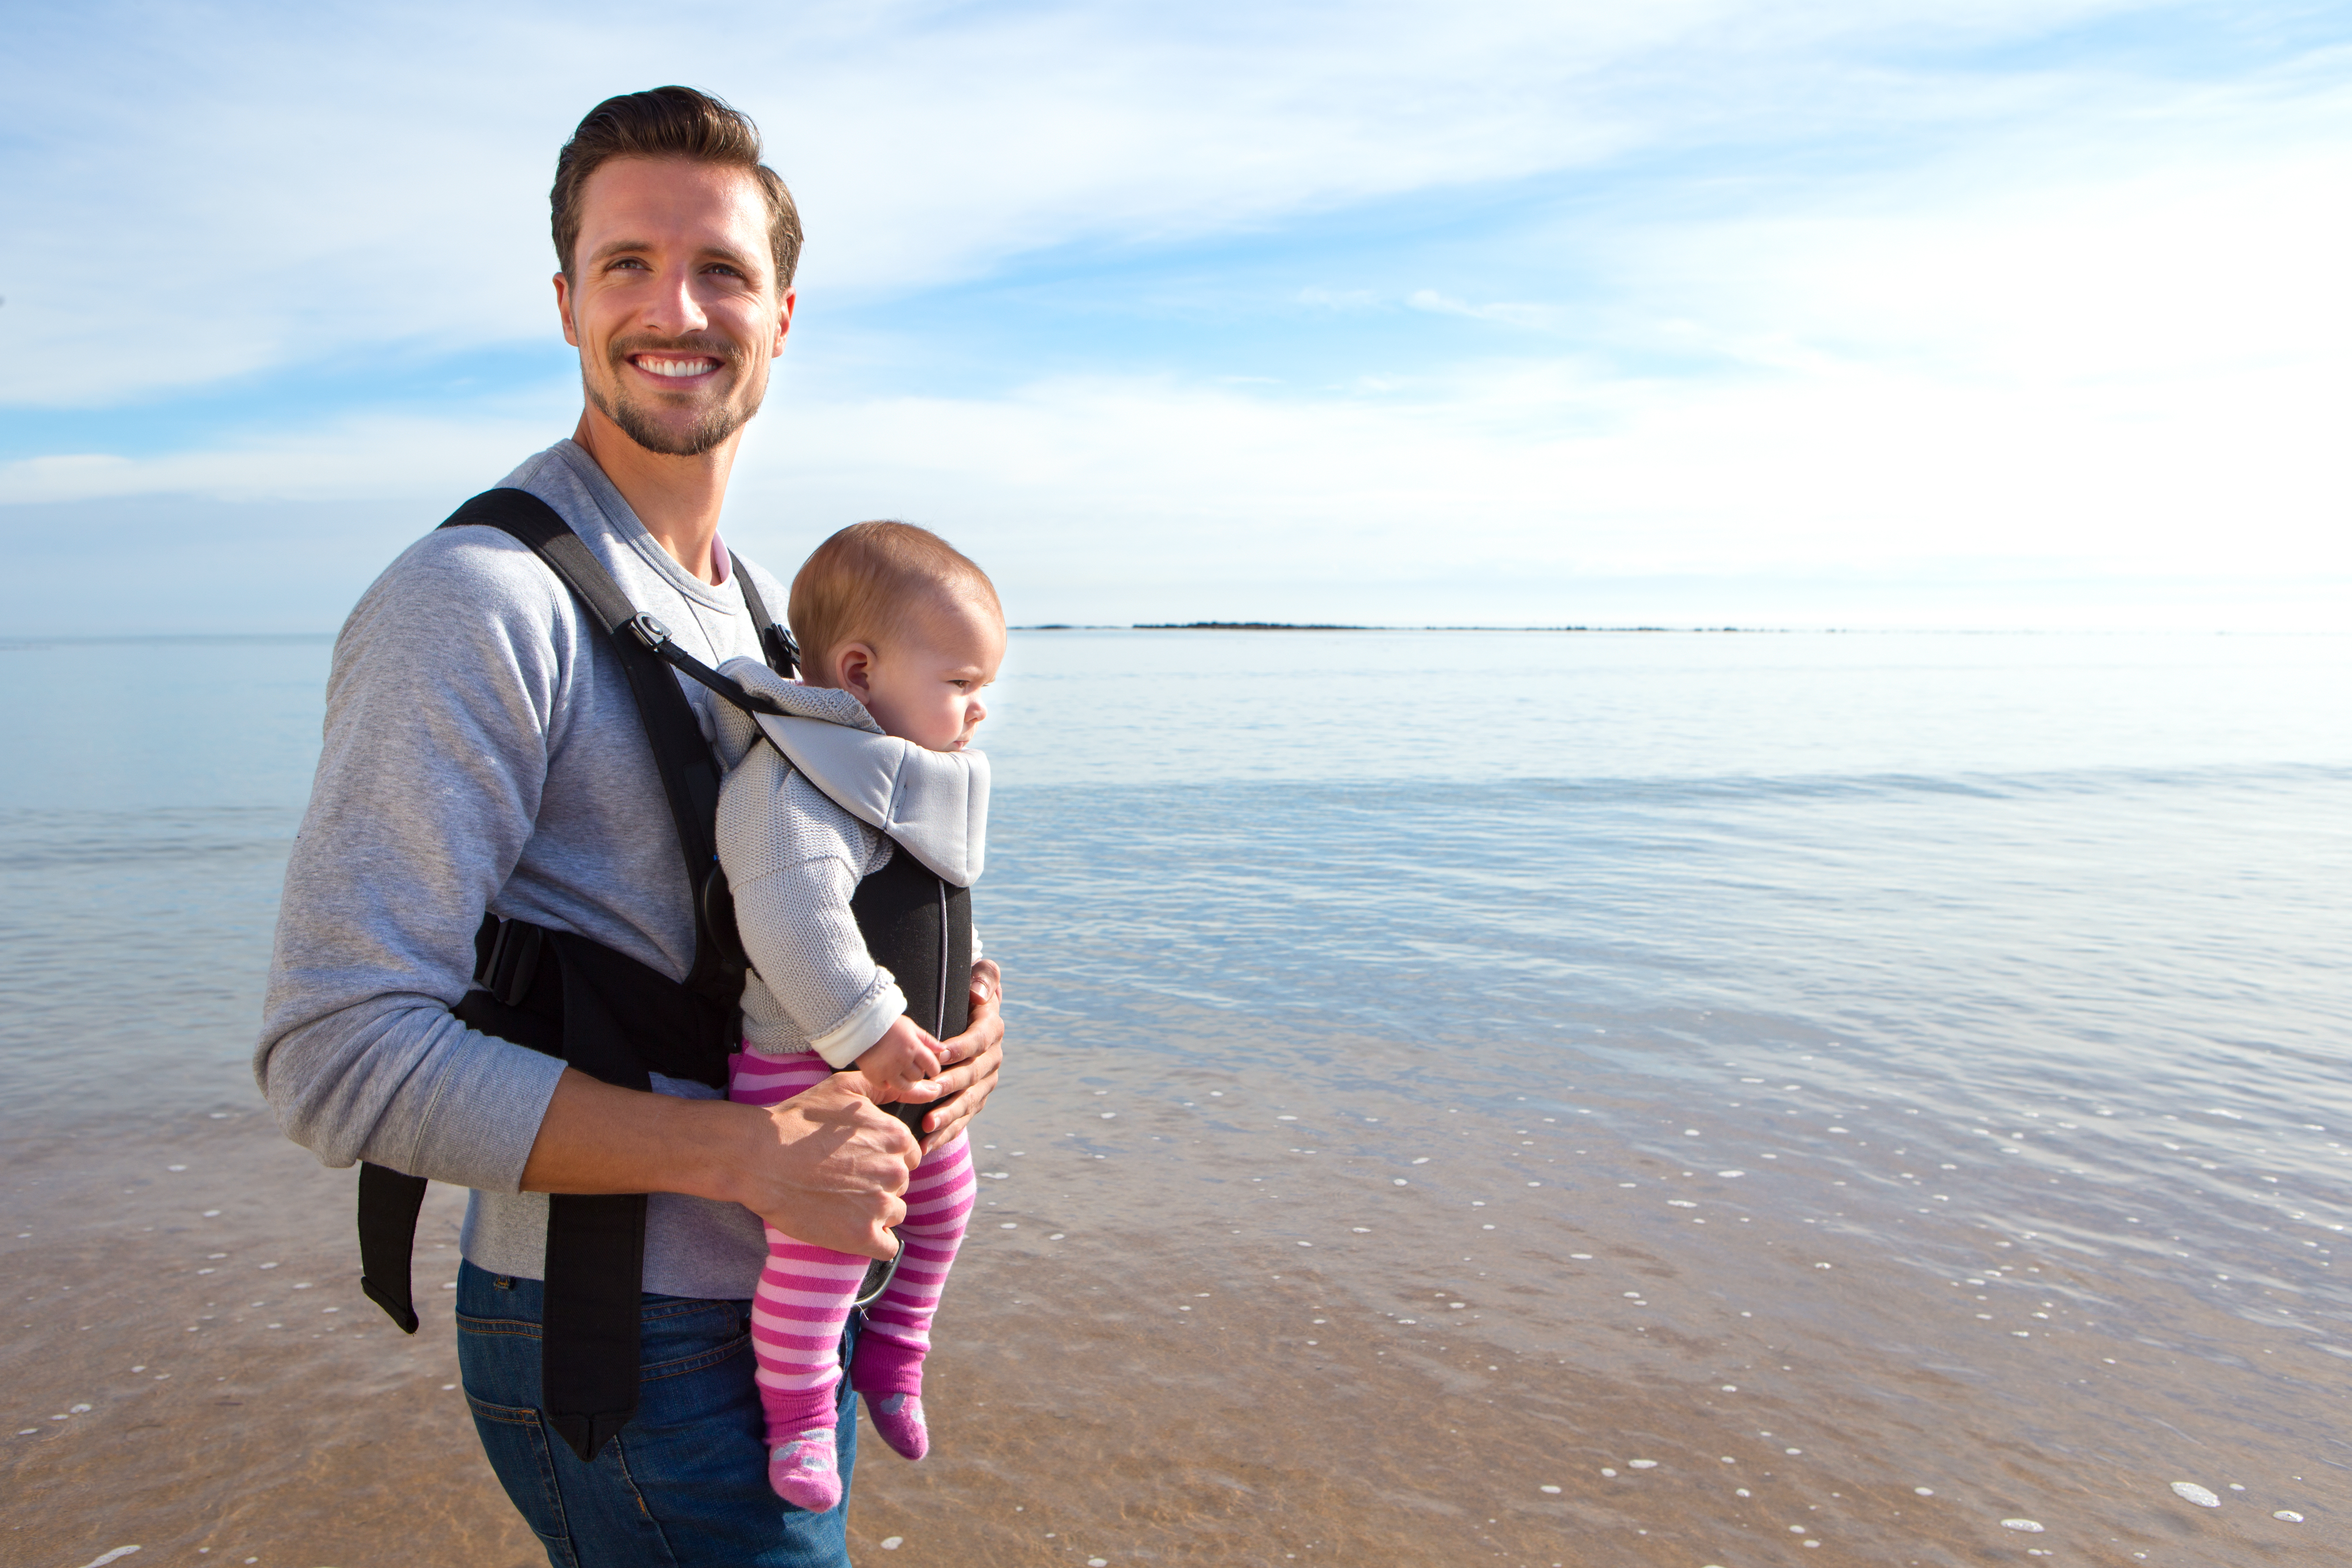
(643, 424)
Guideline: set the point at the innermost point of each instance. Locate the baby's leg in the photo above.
(797, 1313)
(888, 1367)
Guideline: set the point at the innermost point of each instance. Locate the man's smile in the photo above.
(670, 367)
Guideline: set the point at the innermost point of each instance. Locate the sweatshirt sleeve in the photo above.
(439, 726)
(793, 860)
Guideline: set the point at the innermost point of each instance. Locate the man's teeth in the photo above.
(677, 366)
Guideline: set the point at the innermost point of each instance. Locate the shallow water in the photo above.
(1448, 1067)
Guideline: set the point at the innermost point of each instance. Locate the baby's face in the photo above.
(924, 685)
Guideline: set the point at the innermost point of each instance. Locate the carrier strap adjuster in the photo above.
(512, 962)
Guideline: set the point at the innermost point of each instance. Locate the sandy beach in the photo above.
(1177, 1337)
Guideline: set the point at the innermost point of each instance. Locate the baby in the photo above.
(898, 632)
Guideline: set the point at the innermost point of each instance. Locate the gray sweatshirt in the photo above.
(483, 750)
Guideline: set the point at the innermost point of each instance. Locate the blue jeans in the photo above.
(685, 1483)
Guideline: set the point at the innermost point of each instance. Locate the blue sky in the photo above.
(1698, 313)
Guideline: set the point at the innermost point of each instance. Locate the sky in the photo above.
(1864, 313)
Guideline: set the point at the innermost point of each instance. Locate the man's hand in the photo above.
(826, 1167)
(830, 1169)
(969, 1061)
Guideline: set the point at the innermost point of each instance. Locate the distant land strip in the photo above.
(1259, 627)
(1344, 626)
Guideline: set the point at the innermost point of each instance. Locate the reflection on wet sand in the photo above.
(1257, 1340)
(1213, 1325)
(189, 1286)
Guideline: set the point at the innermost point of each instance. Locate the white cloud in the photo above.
(1505, 311)
(1518, 494)
(198, 195)
(2153, 252)
(1100, 487)
(2093, 347)
(349, 457)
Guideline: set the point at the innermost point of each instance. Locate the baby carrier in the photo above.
(613, 1018)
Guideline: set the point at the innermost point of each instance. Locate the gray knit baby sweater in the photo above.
(794, 855)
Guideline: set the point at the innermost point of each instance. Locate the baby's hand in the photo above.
(903, 1058)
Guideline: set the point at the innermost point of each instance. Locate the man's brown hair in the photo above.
(670, 123)
(865, 582)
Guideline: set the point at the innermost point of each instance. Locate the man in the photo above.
(484, 752)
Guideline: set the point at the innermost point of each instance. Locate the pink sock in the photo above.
(886, 1366)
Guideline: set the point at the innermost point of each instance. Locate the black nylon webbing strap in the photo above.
(389, 1203)
(689, 776)
(390, 1200)
(595, 1244)
(617, 1020)
(776, 643)
(597, 1010)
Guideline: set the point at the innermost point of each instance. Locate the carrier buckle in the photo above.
(514, 963)
(647, 630)
(879, 1272)
(783, 650)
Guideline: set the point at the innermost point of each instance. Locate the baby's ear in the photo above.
(852, 669)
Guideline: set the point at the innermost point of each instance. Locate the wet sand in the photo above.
(229, 1392)
(1187, 1329)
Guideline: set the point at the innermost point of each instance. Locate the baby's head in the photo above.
(896, 617)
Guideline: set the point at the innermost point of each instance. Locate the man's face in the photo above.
(672, 300)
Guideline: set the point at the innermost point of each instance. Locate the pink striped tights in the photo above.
(803, 1298)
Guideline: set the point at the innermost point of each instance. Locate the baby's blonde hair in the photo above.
(864, 582)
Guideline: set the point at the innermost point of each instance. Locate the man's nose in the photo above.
(674, 310)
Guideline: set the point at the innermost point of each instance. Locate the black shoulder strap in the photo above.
(595, 1247)
(776, 643)
(689, 774)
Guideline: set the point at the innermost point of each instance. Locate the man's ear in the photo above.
(783, 323)
(563, 309)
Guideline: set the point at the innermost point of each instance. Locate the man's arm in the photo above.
(430, 782)
(436, 775)
(824, 1164)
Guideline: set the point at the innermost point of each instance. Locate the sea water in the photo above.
(1692, 1097)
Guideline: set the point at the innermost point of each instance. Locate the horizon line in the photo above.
(24, 641)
